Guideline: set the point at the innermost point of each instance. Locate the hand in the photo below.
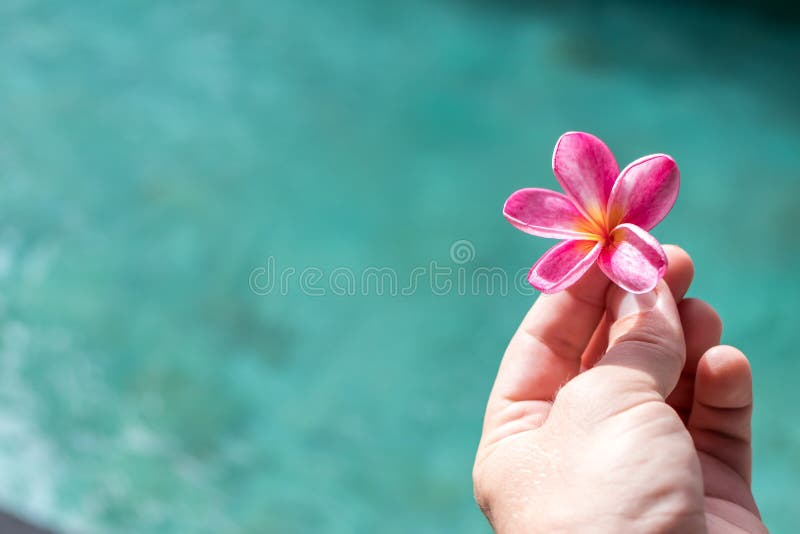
(613, 412)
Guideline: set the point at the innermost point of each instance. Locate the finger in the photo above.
(702, 329)
(646, 348)
(680, 271)
(722, 408)
(545, 351)
(679, 275)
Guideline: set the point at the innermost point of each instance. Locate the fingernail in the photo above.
(631, 304)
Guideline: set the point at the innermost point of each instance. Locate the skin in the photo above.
(617, 413)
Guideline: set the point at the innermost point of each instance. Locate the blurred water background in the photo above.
(152, 154)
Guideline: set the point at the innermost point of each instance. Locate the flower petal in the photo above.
(546, 213)
(633, 259)
(563, 265)
(586, 169)
(644, 192)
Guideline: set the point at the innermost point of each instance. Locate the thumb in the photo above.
(646, 344)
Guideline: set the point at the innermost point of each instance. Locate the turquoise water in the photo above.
(153, 154)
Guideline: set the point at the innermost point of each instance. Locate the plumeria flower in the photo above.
(604, 216)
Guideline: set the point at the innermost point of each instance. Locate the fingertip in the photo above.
(678, 257)
(725, 362)
(680, 270)
(591, 288)
(724, 378)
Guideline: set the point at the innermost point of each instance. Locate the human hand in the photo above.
(614, 412)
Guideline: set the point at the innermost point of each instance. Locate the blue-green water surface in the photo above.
(153, 154)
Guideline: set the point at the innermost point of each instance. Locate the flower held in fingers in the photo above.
(604, 216)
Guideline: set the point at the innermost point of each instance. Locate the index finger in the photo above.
(545, 351)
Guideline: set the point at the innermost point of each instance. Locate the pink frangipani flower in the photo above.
(604, 216)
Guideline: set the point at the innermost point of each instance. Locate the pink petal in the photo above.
(633, 259)
(563, 265)
(586, 169)
(546, 214)
(644, 192)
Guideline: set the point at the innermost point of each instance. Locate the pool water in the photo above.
(155, 155)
